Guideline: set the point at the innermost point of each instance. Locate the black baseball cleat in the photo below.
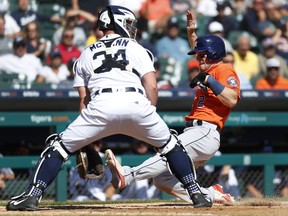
(199, 201)
(23, 203)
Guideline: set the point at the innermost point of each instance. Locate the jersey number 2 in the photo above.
(201, 101)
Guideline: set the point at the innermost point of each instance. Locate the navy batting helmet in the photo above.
(212, 45)
(117, 18)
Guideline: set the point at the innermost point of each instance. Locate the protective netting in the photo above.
(248, 182)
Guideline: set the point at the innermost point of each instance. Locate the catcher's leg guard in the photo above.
(181, 166)
(48, 166)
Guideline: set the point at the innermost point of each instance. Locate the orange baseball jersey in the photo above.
(206, 105)
(281, 83)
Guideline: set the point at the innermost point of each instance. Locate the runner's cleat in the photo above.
(116, 169)
(23, 203)
(199, 201)
(221, 197)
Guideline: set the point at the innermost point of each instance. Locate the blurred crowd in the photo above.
(255, 33)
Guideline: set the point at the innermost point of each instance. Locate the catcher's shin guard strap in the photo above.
(54, 143)
(168, 146)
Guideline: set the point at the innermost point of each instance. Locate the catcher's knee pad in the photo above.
(55, 148)
(174, 146)
(171, 143)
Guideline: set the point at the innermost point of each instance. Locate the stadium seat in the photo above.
(13, 5)
(171, 70)
(12, 80)
(47, 29)
(254, 79)
(8, 77)
(5, 85)
(202, 23)
(182, 24)
(35, 85)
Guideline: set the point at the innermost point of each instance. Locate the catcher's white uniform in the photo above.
(112, 69)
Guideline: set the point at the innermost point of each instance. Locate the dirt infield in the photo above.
(261, 207)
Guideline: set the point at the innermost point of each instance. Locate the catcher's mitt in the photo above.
(89, 163)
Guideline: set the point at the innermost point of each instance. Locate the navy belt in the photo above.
(195, 122)
(126, 89)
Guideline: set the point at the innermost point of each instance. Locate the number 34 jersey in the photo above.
(113, 61)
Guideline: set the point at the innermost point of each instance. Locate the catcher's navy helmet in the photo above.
(117, 18)
(211, 44)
